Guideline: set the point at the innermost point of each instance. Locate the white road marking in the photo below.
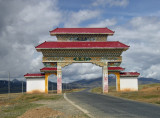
(78, 107)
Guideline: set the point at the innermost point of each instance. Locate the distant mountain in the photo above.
(91, 83)
(16, 85)
(112, 82)
(143, 80)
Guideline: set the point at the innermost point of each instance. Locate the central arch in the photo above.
(104, 66)
(80, 71)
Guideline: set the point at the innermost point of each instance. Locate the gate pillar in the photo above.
(118, 81)
(105, 78)
(59, 78)
(46, 82)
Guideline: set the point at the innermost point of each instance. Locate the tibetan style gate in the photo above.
(81, 45)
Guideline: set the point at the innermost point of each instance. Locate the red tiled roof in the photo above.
(48, 69)
(34, 75)
(129, 74)
(81, 31)
(62, 45)
(115, 68)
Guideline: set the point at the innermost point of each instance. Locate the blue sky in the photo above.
(130, 9)
(25, 24)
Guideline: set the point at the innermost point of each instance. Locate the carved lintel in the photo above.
(99, 63)
(63, 64)
(82, 59)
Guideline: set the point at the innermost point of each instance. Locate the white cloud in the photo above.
(43, 15)
(78, 71)
(142, 34)
(104, 23)
(36, 64)
(22, 26)
(75, 18)
(121, 3)
(153, 71)
(26, 25)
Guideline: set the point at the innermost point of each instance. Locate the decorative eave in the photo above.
(48, 69)
(116, 69)
(34, 75)
(58, 31)
(82, 45)
(129, 74)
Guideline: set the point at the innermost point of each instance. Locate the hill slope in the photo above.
(112, 82)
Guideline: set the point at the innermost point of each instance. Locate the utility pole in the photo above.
(22, 86)
(66, 85)
(52, 87)
(8, 83)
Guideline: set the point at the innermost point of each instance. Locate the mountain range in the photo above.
(16, 85)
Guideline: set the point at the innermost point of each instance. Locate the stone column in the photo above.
(59, 78)
(105, 78)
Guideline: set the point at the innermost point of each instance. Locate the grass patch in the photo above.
(35, 97)
(73, 90)
(97, 90)
(147, 93)
(17, 104)
(13, 111)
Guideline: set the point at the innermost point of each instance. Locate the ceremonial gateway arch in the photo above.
(81, 45)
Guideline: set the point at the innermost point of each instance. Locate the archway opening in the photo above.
(52, 84)
(82, 75)
(112, 82)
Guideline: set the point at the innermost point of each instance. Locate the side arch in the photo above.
(117, 79)
(46, 80)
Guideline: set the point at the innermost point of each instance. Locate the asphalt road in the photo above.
(105, 106)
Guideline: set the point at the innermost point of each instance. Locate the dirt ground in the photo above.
(41, 112)
(54, 109)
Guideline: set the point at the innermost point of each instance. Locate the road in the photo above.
(105, 106)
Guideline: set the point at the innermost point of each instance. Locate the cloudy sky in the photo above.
(26, 23)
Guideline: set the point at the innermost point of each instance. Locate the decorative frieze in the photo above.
(82, 59)
(81, 52)
(111, 58)
(113, 64)
(82, 37)
(50, 64)
(53, 59)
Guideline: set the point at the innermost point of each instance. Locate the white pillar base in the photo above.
(105, 78)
